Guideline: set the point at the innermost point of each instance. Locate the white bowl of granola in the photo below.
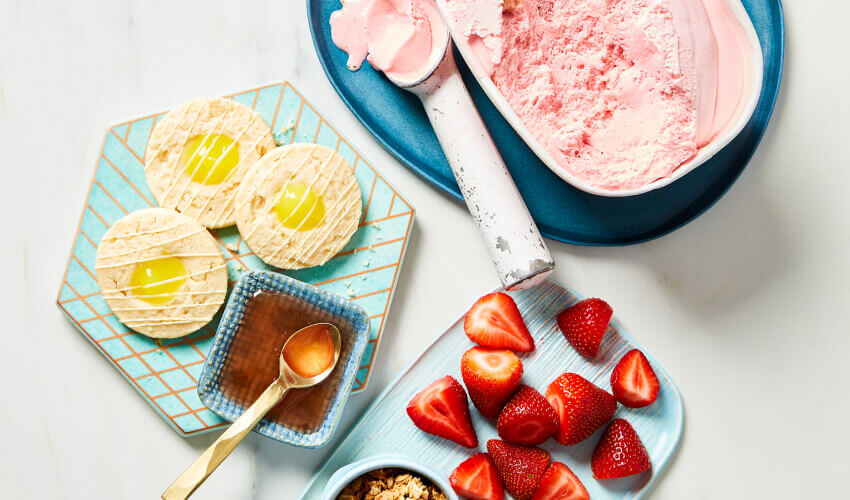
(388, 476)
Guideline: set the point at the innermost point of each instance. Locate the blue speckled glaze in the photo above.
(562, 212)
(341, 309)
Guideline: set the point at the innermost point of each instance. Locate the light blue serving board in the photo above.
(166, 372)
(659, 425)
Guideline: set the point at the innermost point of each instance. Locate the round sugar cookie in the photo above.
(161, 272)
(198, 153)
(298, 206)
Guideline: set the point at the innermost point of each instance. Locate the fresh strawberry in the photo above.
(442, 409)
(633, 382)
(495, 321)
(619, 452)
(584, 325)
(527, 418)
(491, 376)
(476, 478)
(582, 407)
(520, 467)
(559, 483)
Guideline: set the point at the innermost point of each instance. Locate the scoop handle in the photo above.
(521, 257)
(212, 457)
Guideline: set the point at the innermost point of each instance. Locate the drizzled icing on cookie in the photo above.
(155, 282)
(316, 228)
(207, 159)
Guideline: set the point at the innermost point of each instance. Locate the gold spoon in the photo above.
(203, 466)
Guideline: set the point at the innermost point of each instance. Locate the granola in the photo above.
(391, 484)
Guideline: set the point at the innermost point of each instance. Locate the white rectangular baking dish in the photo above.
(752, 90)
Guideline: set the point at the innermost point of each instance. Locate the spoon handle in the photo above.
(204, 465)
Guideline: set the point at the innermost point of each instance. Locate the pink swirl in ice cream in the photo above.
(402, 38)
(619, 92)
(697, 62)
(733, 71)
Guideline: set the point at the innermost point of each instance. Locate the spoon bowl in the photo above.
(292, 377)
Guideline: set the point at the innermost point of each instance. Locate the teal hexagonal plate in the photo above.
(166, 372)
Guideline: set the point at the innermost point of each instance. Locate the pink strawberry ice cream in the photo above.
(402, 38)
(619, 92)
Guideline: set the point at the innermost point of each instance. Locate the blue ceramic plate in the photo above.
(658, 425)
(562, 212)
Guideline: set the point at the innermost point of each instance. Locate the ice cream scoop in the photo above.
(306, 359)
(409, 41)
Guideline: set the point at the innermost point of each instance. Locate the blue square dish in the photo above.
(340, 309)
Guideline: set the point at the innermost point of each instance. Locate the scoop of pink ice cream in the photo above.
(402, 38)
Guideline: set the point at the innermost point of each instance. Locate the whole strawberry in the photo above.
(584, 325)
(521, 467)
(620, 452)
(491, 376)
(527, 418)
(582, 407)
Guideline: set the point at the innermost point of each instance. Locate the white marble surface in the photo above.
(746, 306)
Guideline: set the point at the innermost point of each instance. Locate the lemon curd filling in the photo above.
(209, 158)
(299, 207)
(150, 279)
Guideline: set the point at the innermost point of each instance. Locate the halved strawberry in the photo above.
(494, 321)
(633, 381)
(476, 478)
(520, 467)
(619, 453)
(581, 406)
(584, 325)
(559, 483)
(442, 409)
(491, 376)
(527, 418)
